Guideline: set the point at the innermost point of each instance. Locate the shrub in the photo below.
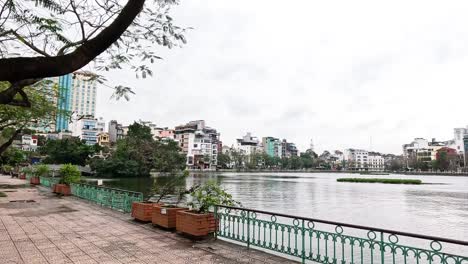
(208, 195)
(42, 170)
(70, 174)
(7, 168)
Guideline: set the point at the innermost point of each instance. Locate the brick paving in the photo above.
(50, 229)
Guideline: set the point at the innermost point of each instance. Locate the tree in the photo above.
(14, 120)
(68, 150)
(54, 38)
(307, 160)
(138, 153)
(13, 157)
(224, 161)
(168, 157)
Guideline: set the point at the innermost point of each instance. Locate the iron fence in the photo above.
(321, 241)
(48, 181)
(109, 197)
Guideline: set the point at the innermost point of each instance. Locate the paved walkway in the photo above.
(38, 227)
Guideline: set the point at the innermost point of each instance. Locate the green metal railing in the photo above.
(320, 241)
(109, 197)
(48, 181)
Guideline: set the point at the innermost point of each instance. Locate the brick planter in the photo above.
(165, 216)
(143, 211)
(22, 176)
(55, 188)
(35, 180)
(196, 225)
(63, 189)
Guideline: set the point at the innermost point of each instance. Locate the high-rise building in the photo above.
(63, 102)
(83, 93)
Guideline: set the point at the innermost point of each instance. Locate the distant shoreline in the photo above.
(423, 173)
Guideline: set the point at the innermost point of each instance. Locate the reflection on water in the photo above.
(438, 209)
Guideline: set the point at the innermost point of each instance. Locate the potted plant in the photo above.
(164, 215)
(200, 221)
(39, 171)
(70, 174)
(7, 169)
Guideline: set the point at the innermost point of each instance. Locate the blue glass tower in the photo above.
(63, 102)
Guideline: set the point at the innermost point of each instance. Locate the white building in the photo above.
(83, 93)
(375, 162)
(85, 128)
(101, 125)
(200, 143)
(356, 159)
(459, 133)
(28, 143)
(248, 144)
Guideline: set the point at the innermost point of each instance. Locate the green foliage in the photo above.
(167, 156)
(68, 150)
(15, 119)
(138, 153)
(69, 174)
(42, 28)
(208, 195)
(13, 157)
(27, 170)
(7, 168)
(224, 161)
(377, 180)
(41, 170)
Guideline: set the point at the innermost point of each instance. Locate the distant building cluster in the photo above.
(425, 151)
(74, 96)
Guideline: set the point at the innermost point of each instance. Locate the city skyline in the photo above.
(339, 83)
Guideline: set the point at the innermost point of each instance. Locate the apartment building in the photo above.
(200, 143)
(85, 127)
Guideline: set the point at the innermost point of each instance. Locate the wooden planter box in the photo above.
(63, 189)
(165, 216)
(35, 180)
(197, 225)
(143, 211)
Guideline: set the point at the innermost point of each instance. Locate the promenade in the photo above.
(36, 226)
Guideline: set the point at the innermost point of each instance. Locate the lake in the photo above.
(437, 208)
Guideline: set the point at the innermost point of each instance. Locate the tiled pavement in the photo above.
(70, 230)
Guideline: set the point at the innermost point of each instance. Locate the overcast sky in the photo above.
(337, 72)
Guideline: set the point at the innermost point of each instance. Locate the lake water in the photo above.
(437, 208)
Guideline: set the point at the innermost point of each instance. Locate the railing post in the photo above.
(217, 222)
(248, 229)
(382, 249)
(303, 242)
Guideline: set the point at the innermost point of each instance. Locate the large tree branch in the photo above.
(8, 96)
(20, 68)
(5, 145)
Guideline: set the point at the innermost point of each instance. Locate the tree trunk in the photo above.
(21, 68)
(5, 145)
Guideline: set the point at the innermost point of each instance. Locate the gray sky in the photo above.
(339, 72)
